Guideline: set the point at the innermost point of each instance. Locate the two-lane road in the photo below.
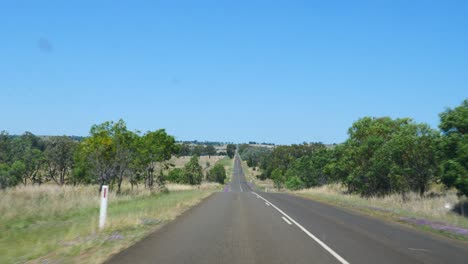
(241, 225)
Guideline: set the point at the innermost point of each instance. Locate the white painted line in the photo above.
(267, 204)
(286, 220)
(418, 249)
(327, 248)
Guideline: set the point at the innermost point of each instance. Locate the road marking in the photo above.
(267, 204)
(327, 248)
(419, 249)
(286, 220)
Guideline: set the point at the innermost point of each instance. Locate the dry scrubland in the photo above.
(50, 224)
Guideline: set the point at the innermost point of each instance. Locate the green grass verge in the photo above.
(71, 236)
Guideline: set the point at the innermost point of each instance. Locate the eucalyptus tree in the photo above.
(193, 171)
(155, 147)
(28, 149)
(231, 150)
(454, 147)
(59, 160)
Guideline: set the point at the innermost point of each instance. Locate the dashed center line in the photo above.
(327, 248)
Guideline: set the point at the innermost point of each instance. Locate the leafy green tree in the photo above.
(278, 178)
(83, 171)
(337, 167)
(282, 157)
(198, 150)
(17, 169)
(98, 153)
(294, 183)
(231, 150)
(366, 137)
(5, 148)
(4, 176)
(155, 147)
(406, 162)
(185, 150)
(217, 174)
(11, 175)
(253, 154)
(28, 149)
(210, 150)
(177, 175)
(310, 169)
(193, 171)
(454, 147)
(59, 160)
(125, 145)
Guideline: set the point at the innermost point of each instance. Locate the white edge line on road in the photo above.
(267, 203)
(327, 248)
(286, 220)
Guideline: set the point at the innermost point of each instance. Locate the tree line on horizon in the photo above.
(110, 154)
(381, 156)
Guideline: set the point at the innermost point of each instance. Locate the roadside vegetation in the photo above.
(110, 155)
(228, 164)
(49, 191)
(51, 224)
(434, 212)
(383, 158)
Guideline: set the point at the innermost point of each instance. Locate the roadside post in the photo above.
(103, 210)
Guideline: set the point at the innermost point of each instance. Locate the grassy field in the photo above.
(433, 212)
(179, 162)
(228, 165)
(50, 224)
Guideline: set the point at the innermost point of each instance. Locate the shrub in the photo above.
(177, 176)
(294, 183)
(217, 174)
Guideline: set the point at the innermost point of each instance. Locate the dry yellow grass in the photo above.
(436, 207)
(186, 187)
(179, 162)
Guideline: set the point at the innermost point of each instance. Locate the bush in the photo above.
(278, 178)
(294, 183)
(177, 176)
(217, 174)
(193, 171)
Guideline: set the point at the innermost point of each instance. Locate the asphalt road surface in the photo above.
(242, 225)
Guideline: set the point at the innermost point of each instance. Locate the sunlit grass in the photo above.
(60, 223)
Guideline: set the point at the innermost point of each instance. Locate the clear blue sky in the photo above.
(274, 71)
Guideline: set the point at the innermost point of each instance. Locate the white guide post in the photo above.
(103, 211)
